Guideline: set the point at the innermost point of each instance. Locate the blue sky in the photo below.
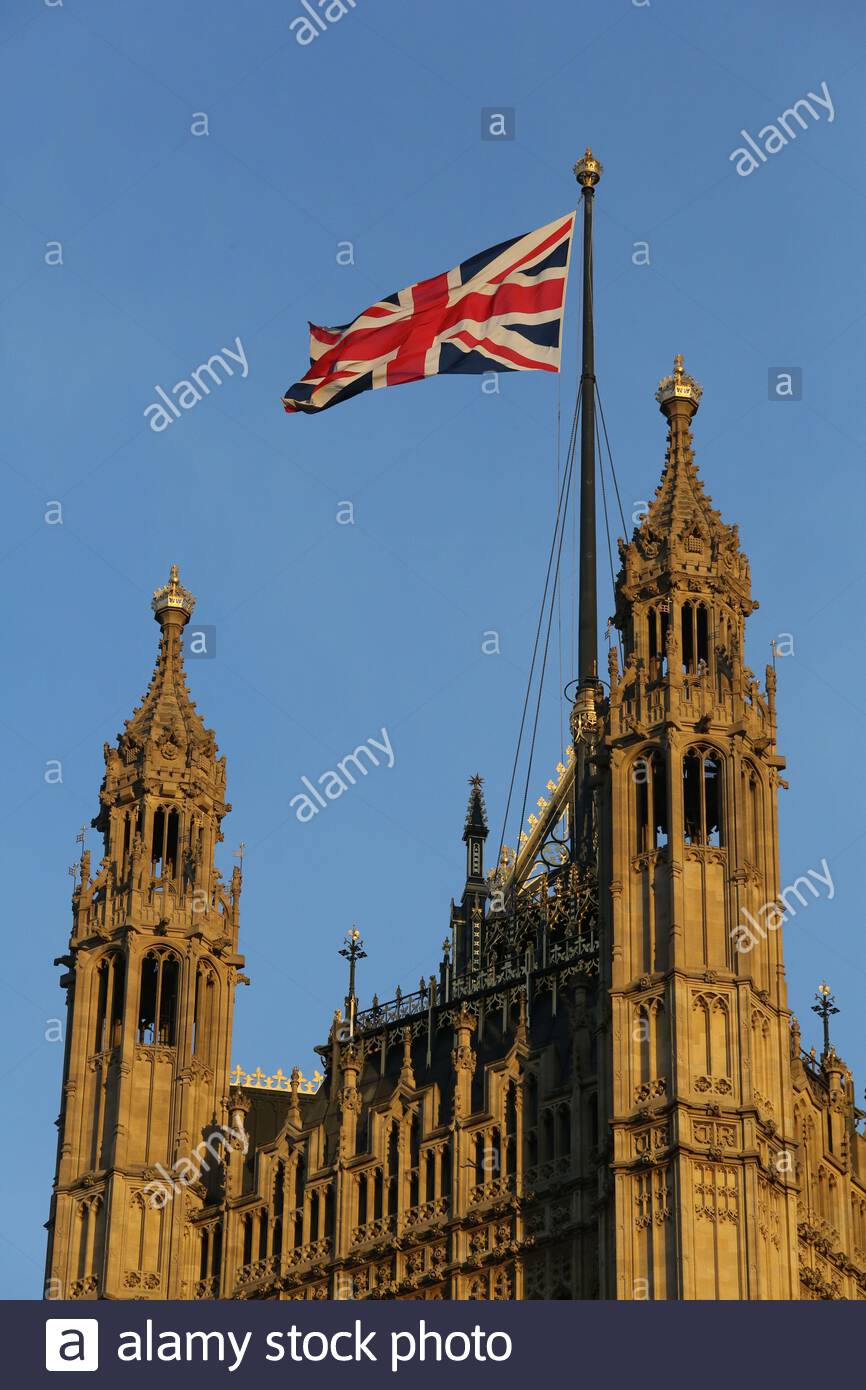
(175, 244)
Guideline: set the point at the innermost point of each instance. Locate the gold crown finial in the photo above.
(172, 597)
(679, 386)
(588, 169)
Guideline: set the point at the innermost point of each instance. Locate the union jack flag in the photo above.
(500, 311)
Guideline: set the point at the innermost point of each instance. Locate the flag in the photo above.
(500, 311)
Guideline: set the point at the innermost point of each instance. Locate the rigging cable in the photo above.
(558, 448)
(569, 473)
(558, 531)
(607, 532)
(612, 469)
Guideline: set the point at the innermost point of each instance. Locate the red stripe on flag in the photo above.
(552, 240)
(499, 350)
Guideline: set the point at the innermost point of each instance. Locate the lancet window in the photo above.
(702, 797)
(695, 642)
(166, 825)
(650, 778)
(111, 973)
(157, 1008)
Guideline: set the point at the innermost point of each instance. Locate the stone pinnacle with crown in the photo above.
(172, 600)
(678, 387)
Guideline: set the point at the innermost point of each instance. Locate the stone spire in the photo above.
(467, 920)
(680, 503)
(162, 798)
(166, 707)
(681, 507)
(476, 812)
(682, 539)
(154, 964)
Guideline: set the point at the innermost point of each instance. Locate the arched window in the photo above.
(204, 1015)
(695, 642)
(548, 1149)
(750, 801)
(279, 1188)
(157, 1008)
(531, 1099)
(166, 826)
(361, 1131)
(393, 1164)
(446, 1172)
(509, 1138)
(248, 1239)
(592, 1112)
(109, 1006)
(414, 1160)
(511, 1110)
(429, 1187)
(651, 812)
(658, 620)
(563, 1117)
(300, 1178)
(263, 1234)
(702, 797)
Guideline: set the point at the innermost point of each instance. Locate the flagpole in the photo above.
(583, 717)
(588, 172)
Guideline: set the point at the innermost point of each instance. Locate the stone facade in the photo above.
(599, 1094)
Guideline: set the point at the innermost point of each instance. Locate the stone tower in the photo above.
(599, 1093)
(150, 980)
(697, 1090)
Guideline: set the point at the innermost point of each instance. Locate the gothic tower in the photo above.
(150, 980)
(467, 920)
(698, 1089)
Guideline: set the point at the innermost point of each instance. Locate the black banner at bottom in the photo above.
(425, 1343)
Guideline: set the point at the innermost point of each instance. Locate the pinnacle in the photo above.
(166, 706)
(476, 812)
(166, 710)
(681, 502)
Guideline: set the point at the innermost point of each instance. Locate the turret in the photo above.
(468, 918)
(689, 845)
(150, 983)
